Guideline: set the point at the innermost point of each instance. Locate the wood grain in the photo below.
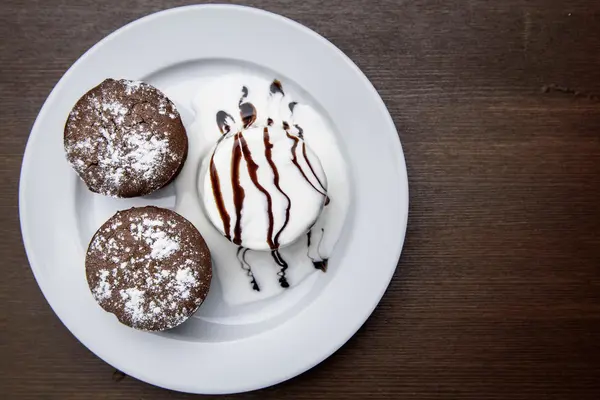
(497, 294)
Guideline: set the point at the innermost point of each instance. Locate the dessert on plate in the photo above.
(125, 139)
(272, 183)
(150, 267)
(268, 187)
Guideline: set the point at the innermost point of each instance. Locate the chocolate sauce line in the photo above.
(218, 195)
(269, 157)
(254, 283)
(284, 266)
(238, 190)
(313, 172)
(247, 110)
(322, 264)
(222, 122)
(295, 161)
(246, 267)
(292, 105)
(244, 95)
(248, 114)
(276, 87)
(252, 171)
(300, 131)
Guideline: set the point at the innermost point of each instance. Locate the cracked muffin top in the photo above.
(125, 139)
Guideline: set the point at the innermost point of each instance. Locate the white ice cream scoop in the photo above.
(264, 187)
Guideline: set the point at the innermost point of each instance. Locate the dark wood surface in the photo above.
(497, 294)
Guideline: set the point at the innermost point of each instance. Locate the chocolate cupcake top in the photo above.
(150, 267)
(125, 139)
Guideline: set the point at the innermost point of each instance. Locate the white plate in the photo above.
(208, 356)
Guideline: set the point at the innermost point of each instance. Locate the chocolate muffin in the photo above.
(150, 267)
(125, 139)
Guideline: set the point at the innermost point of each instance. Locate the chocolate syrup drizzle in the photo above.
(238, 190)
(295, 161)
(322, 264)
(313, 172)
(300, 131)
(247, 110)
(246, 267)
(284, 266)
(248, 114)
(252, 171)
(241, 149)
(276, 87)
(216, 186)
(269, 157)
(222, 117)
(286, 127)
(244, 95)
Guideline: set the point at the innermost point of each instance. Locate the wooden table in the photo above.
(497, 294)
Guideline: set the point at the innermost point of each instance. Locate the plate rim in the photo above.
(400, 172)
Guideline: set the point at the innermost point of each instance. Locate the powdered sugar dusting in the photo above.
(163, 247)
(146, 153)
(131, 86)
(161, 244)
(102, 291)
(185, 277)
(185, 280)
(134, 301)
(116, 109)
(139, 155)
